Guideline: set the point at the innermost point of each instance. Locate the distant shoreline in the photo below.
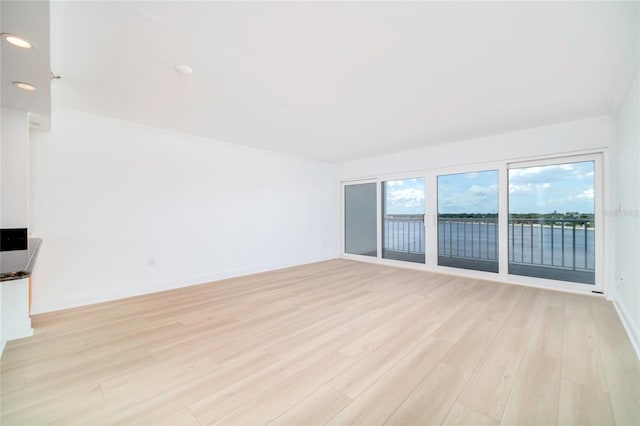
(534, 223)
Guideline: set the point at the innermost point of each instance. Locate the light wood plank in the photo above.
(534, 397)
(277, 400)
(547, 336)
(490, 386)
(133, 405)
(622, 371)
(181, 418)
(460, 415)
(317, 408)
(383, 397)
(222, 401)
(584, 405)
(366, 371)
(467, 352)
(582, 362)
(432, 399)
(336, 342)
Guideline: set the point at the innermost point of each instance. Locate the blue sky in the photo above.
(405, 196)
(562, 188)
(468, 192)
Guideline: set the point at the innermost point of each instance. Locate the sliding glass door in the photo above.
(403, 210)
(534, 222)
(360, 219)
(468, 220)
(552, 224)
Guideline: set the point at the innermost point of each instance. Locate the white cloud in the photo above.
(587, 194)
(545, 171)
(484, 190)
(408, 194)
(528, 171)
(586, 175)
(561, 187)
(527, 187)
(407, 200)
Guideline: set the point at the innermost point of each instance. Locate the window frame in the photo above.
(431, 219)
(405, 176)
(597, 159)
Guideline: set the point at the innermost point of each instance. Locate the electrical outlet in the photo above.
(620, 282)
(151, 261)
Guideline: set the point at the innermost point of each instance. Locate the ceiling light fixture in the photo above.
(17, 41)
(25, 86)
(183, 69)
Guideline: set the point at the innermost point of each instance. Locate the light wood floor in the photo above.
(335, 342)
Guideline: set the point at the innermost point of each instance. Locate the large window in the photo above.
(552, 221)
(468, 220)
(403, 212)
(360, 219)
(535, 222)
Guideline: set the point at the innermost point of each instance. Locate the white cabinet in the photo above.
(14, 311)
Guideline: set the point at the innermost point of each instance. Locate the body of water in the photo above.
(528, 243)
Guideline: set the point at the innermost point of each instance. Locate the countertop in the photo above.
(18, 264)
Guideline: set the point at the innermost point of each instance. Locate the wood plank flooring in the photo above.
(336, 342)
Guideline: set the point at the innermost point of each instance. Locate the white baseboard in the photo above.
(629, 326)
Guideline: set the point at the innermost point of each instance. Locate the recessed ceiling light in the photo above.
(16, 40)
(25, 86)
(183, 69)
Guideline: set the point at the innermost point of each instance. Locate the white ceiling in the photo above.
(336, 81)
(30, 20)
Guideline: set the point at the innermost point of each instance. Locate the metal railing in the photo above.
(471, 238)
(561, 243)
(403, 233)
(561, 249)
(468, 243)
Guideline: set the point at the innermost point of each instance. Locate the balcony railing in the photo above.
(403, 238)
(560, 249)
(469, 243)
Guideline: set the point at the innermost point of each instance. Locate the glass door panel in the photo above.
(403, 210)
(360, 219)
(552, 221)
(468, 220)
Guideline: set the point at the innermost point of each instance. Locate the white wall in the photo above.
(14, 155)
(574, 136)
(108, 195)
(626, 212)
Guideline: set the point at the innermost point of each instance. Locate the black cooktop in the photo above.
(13, 239)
